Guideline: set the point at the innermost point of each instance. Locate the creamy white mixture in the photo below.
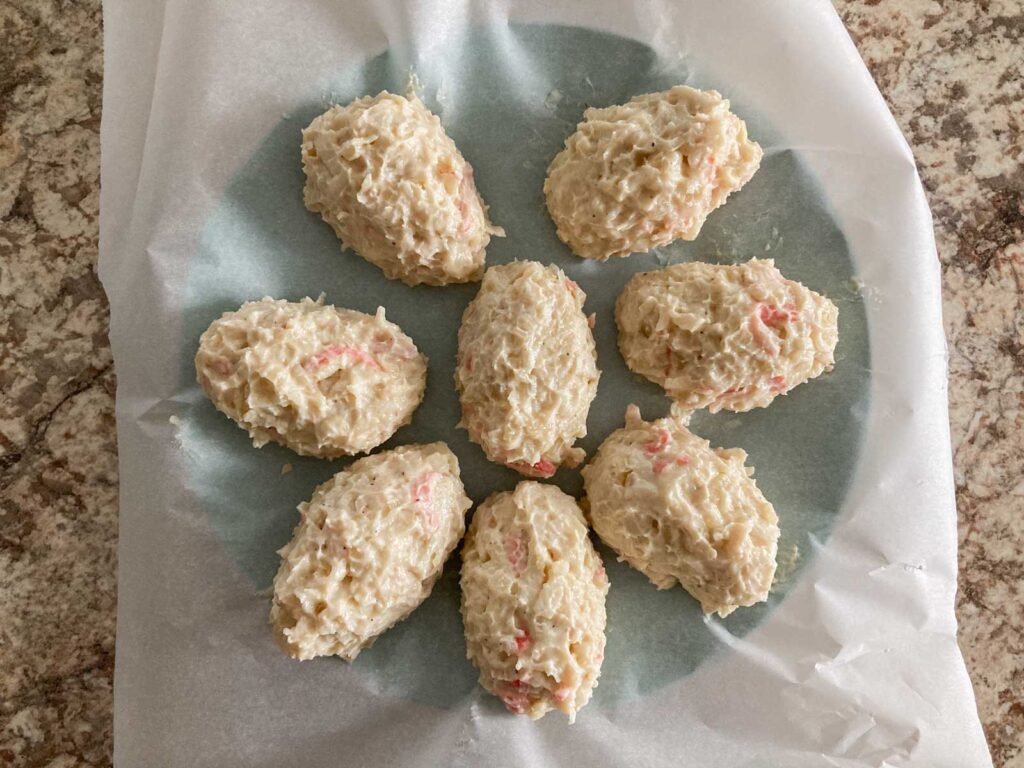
(321, 380)
(526, 369)
(677, 510)
(725, 336)
(368, 548)
(533, 600)
(396, 190)
(640, 175)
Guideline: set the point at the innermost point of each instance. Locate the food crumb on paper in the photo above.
(176, 422)
(774, 240)
(413, 86)
(441, 97)
(787, 563)
(286, 468)
(904, 566)
(865, 291)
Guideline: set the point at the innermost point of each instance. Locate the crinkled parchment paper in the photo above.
(852, 662)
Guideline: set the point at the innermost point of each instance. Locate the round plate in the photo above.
(261, 241)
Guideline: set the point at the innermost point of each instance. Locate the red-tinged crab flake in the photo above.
(600, 575)
(515, 698)
(313, 362)
(774, 317)
(727, 395)
(561, 693)
(659, 443)
(523, 640)
(517, 551)
(421, 488)
(467, 200)
(469, 363)
(766, 340)
(542, 468)
(769, 316)
(778, 383)
(668, 361)
(661, 464)
(572, 285)
(592, 320)
(421, 497)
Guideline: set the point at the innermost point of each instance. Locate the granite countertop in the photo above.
(953, 74)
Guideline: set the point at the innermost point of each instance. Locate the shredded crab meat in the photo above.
(660, 441)
(422, 498)
(469, 202)
(661, 464)
(517, 551)
(542, 468)
(335, 351)
(769, 316)
(334, 547)
(386, 344)
(725, 335)
(355, 158)
(657, 144)
(534, 616)
(522, 640)
(528, 369)
(303, 374)
(515, 699)
(707, 527)
(774, 317)
(359, 560)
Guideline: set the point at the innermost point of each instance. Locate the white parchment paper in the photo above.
(853, 662)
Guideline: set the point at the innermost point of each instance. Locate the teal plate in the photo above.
(261, 241)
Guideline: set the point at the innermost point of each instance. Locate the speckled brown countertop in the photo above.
(953, 75)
